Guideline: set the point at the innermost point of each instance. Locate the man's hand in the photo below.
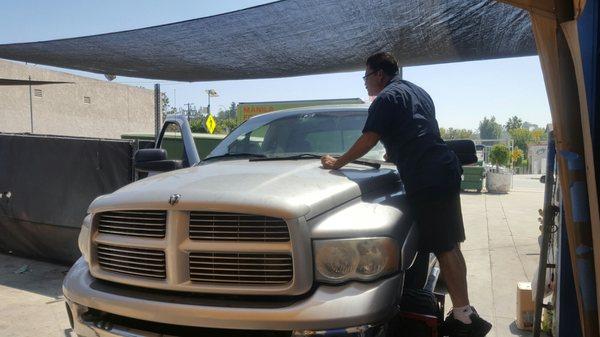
(362, 145)
(328, 162)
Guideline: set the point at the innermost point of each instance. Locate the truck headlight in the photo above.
(361, 259)
(84, 237)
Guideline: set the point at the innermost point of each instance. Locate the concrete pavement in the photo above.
(501, 249)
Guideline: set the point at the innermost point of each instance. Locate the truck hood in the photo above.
(286, 189)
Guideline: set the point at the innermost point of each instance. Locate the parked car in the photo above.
(256, 239)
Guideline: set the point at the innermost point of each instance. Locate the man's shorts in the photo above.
(438, 215)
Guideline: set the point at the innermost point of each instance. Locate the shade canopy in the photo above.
(8, 81)
(295, 37)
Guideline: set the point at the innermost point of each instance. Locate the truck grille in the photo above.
(241, 268)
(133, 223)
(213, 226)
(201, 251)
(132, 261)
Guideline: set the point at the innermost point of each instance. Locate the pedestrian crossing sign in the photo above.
(211, 124)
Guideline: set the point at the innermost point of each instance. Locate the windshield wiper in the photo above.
(366, 163)
(313, 156)
(234, 155)
(293, 157)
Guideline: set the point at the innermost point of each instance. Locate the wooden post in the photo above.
(571, 32)
(561, 85)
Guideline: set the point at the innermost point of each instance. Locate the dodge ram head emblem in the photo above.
(174, 199)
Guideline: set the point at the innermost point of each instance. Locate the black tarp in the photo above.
(8, 81)
(46, 185)
(296, 37)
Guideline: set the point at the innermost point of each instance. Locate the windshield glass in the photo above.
(312, 132)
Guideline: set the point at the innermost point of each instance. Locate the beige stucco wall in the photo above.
(115, 109)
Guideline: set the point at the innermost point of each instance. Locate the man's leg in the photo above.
(454, 269)
(464, 320)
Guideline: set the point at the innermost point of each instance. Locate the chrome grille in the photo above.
(133, 223)
(214, 226)
(241, 268)
(132, 261)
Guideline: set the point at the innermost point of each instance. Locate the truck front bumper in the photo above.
(328, 307)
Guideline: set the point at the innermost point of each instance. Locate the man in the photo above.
(402, 117)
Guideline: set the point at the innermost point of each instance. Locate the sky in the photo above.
(463, 93)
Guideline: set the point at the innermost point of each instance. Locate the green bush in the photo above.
(499, 155)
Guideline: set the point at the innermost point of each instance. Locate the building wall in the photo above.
(113, 109)
(537, 155)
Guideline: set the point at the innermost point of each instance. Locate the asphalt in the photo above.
(501, 250)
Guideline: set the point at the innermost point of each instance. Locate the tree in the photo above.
(499, 155)
(521, 138)
(165, 105)
(232, 110)
(226, 125)
(539, 135)
(516, 156)
(197, 125)
(513, 123)
(164, 102)
(529, 126)
(451, 133)
(489, 128)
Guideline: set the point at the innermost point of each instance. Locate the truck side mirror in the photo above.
(154, 160)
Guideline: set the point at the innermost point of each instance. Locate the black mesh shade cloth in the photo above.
(296, 37)
(8, 81)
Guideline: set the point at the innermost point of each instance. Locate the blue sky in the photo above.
(463, 92)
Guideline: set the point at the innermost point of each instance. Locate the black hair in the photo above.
(383, 61)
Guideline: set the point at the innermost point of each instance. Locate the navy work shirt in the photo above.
(403, 115)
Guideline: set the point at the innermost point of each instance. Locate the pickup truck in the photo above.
(257, 239)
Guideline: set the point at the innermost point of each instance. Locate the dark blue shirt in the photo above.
(403, 115)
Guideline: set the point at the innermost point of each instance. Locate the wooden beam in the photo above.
(578, 6)
(572, 35)
(540, 7)
(561, 85)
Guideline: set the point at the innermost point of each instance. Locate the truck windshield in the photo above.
(305, 133)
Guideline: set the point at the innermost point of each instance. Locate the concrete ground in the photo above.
(501, 249)
(31, 300)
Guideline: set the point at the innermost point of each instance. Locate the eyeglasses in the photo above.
(369, 74)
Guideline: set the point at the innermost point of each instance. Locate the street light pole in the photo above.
(210, 93)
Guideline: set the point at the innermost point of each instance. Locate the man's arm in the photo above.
(359, 149)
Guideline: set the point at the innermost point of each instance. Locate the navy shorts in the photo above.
(438, 217)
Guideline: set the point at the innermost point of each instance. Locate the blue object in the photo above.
(568, 311)
(588, 27)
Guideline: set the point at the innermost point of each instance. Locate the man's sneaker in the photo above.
(455, 328)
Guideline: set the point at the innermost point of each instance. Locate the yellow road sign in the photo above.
(211, 124)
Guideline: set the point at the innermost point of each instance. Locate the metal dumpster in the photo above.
(472, 178)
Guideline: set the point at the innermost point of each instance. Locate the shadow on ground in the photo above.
(33, 276)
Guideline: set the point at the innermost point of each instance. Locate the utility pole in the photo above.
(188, 110)
(30, 105)
(157, 107)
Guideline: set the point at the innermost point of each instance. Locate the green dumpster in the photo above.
(472, 178)
(172, 142)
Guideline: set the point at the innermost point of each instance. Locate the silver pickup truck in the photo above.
(255, 240)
